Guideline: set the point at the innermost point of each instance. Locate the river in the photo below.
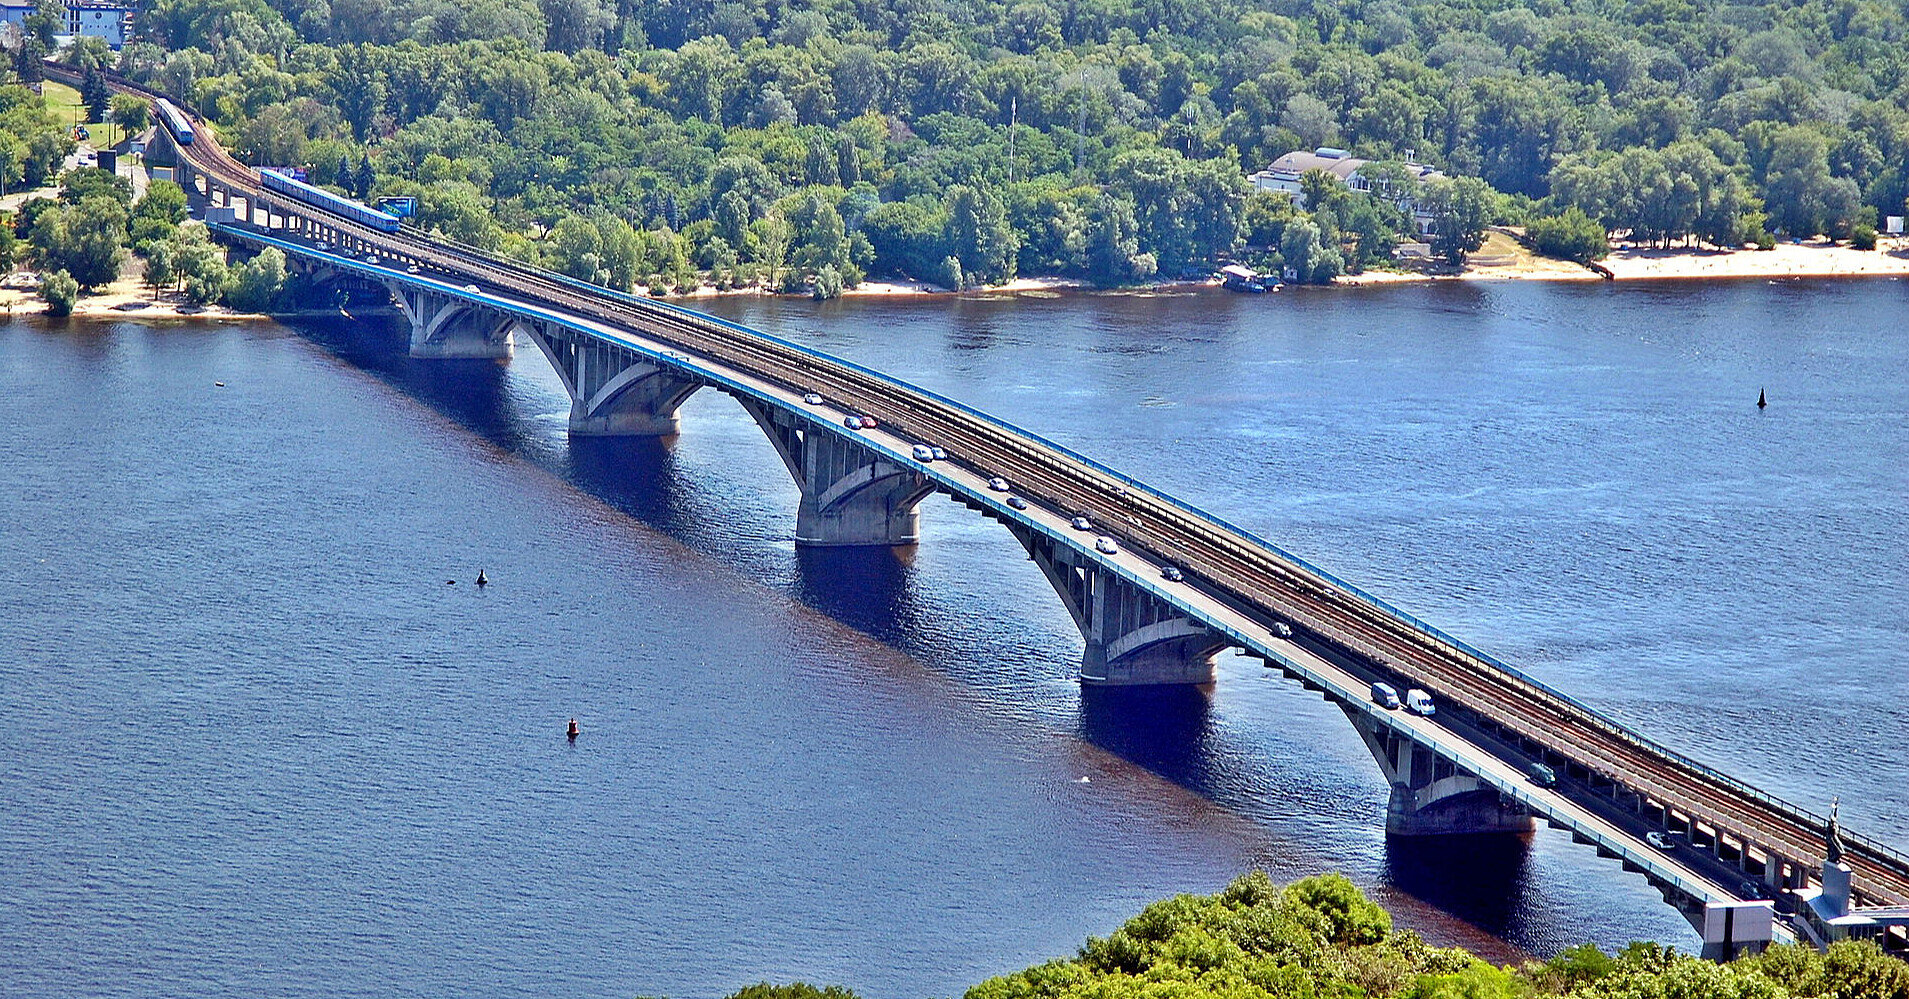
(251, 742)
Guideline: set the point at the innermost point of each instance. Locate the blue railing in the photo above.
(1799, 814)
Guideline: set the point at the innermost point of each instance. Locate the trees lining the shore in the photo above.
(507, 117)
(1320, 937)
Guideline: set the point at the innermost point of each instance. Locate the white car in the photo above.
(1106, 546)
(1282, 629)
(1660, 841)
(924, 453)
(813, 398)
(1081, 524)
(940, 455)
(998, 484)
(852, 422)
(1420, 703)
(471, 288)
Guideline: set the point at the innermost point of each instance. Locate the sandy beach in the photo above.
(126, 298)
(1503, 259)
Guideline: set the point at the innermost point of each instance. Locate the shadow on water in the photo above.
(869, 589)
(1163, 729)
(636, 475)
(1484, 880)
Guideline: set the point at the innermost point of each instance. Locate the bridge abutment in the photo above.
(1132, 637)
(1431, 796)
(852, 496)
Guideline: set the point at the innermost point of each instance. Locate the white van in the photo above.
(1385, 696)
(1420, 703)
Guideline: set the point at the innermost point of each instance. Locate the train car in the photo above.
(176, 122)
(318, 197)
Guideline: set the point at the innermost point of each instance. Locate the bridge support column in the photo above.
(1133, 637)
(445, 326)
(614, 392)
(1430, 795)
(851, 495)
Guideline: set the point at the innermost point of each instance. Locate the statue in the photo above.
(1834, 834)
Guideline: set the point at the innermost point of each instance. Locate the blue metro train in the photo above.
(176, 122)
(318, 197)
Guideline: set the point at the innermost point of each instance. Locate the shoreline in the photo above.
(1500, 261)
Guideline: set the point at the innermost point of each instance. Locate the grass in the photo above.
(65, 103)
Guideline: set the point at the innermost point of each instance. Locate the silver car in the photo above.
(998, 484)
(1106, 546)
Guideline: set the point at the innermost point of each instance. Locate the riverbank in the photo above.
(1503, 259)
(128, 297)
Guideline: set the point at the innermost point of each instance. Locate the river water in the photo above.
(252, 743)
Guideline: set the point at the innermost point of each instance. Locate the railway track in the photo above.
(1255, 575)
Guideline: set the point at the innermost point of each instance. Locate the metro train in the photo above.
(320, 198)
(176, 122)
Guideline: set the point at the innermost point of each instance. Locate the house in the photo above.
(1284, 173)
(108, 19)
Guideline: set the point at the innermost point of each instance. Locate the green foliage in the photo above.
(88, 182)
(1863, 237)
(1570, 236)
(85, 239)
(59, 291)
(258, 284)
(1461, 210)
(131, 113)
(793, 990)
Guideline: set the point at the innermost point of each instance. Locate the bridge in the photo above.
(1727, 849)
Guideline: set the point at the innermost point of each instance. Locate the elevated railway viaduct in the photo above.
(628, 362)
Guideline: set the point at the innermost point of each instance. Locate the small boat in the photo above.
(1235, 277)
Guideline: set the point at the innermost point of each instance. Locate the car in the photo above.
(1384, 696)
(1017, 502)
(471, 288)
(1420, 703)
(812, 398)
(1081, 523)
(413, 269)
(1171, 573)
(1661, 841)
(940, 455)
(1755, 890)
(924, 453)
(868, 423)
(1282, 629)
(852, 422)
(1542, 775)
(372, 259)
(1106, 546)
(998, 484)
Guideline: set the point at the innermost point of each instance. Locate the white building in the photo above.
(1284, 173)
(108, 19)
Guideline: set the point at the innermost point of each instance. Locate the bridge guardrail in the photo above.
(1796, 813)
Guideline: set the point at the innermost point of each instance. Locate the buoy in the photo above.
(218, 384)
(572, 730)
(481, 581)
(1761, 402)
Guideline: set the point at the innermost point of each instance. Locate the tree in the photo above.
(257, 284)
(84, 240)
(95, 94)
(132, 114)
(59, 291)
(1460, 211)
(1113, 245)
(979, 236)
(1306, 254)
(772, 235)
(1570, 236)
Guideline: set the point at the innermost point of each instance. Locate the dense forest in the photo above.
(1319, 938)
(806, 143)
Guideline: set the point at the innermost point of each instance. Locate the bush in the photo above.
(59, 291)
(948, 275)
(1863, 237)
(1571, 236)
(258, 283)
(828, 284)
(1766, 241)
